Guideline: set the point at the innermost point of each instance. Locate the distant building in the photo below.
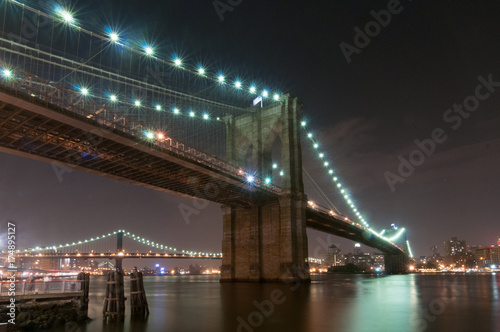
(455, 247)
(333, 256)
(456, 252)
(434, 252)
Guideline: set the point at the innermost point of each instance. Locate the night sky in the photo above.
(396, 89)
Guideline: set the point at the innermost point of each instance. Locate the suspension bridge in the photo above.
(85, 97)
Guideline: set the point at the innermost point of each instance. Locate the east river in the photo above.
(452, 302)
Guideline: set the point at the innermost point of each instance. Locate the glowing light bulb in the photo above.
(253, 89)
(176, 111)
(137, 103)
(276, 96)
(265, 93)
(84, 91)
(114, 36)
(201, 71)
(113, 98)
(237, 85)
(178, 62)
(205, 116)
(221, 79)
(150, 135)
(7, 73)
(149, 50)
(158, 107)
(65, 15)
(191, 114)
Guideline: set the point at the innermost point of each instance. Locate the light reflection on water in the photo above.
(329, 303)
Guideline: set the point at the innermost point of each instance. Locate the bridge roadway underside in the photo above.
(396, 261)
(42, 131)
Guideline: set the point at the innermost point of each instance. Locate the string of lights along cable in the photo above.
(133, 75)
(112, 237)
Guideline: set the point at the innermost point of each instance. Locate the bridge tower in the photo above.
(268, 241)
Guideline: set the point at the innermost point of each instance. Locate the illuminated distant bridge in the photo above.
(100, 247)
(85, 98)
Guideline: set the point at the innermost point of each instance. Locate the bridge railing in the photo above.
(40, 287)
(77, 103)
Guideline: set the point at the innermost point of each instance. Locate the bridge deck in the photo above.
(337, 226)
(40, 130)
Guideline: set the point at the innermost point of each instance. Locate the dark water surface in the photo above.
(330, 303)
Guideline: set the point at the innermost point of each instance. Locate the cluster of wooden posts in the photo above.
(84, 279)
(114, 300)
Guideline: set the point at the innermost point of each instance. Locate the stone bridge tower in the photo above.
(267, 242)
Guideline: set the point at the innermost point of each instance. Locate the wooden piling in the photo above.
(84, 279)
(114, 300)
(138, 302)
